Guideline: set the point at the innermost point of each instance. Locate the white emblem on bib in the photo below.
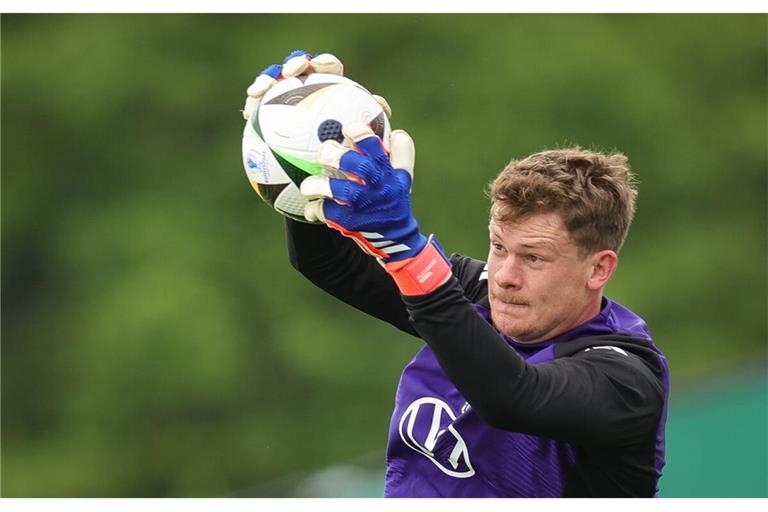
(423, 424)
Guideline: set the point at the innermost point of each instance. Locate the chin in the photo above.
(514, 329)
(521, 336)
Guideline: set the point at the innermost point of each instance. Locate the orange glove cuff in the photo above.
(423, 273)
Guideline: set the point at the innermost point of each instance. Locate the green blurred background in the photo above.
(156, 342)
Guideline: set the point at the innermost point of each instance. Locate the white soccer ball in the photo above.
(281, 140)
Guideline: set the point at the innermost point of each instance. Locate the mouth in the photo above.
(511, 305)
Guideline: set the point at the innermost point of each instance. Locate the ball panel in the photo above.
(298, 95)
(330, 129)
(281, 87)
(325, 77)
(269, 193)
(287, 126)
(296, 168)
(379, 126)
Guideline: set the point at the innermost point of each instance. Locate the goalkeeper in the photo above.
(531, 383)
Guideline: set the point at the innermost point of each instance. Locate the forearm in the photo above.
(336, 265)
(312, 248)
(468, 349)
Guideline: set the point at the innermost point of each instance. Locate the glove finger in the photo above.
(334, 213)
(297, 53)
(335, 156)
(274, 71)
(327, 63)
(259, 87)
(402, 151)
(345, 192)
(296, 64)
(313, 211)
(330, 153)
(384, 104)
(251, 104)
(365, 140)
(316, 187)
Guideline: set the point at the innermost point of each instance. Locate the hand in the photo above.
(373, 206)
(297, 63)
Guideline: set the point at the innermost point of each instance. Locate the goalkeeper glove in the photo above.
(373, 207)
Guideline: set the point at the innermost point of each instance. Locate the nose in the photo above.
(509, 274)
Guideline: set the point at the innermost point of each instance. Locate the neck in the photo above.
(590, 311)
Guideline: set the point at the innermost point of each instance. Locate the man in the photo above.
(531, 382)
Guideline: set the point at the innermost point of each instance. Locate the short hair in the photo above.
(593, 192)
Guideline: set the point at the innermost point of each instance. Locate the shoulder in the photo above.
(472, 274)
(622, 349)
(628, 363)
(624, 381)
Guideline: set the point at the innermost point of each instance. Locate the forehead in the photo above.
(535, 229)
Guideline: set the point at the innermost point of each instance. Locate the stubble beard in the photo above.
(516, 328)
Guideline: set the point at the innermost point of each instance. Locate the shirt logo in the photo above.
(608, 347)
(425, 423)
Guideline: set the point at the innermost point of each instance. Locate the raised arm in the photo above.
(335, 264)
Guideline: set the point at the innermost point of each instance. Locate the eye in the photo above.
(497, 247)
(532, 258)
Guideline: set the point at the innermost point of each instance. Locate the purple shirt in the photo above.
(439, 447)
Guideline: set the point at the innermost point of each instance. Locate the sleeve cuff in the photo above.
(423, 273)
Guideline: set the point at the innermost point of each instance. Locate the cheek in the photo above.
(552, 288)
(493, 265)
(491, 260)
(567, 288)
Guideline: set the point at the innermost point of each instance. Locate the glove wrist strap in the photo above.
(423, 273)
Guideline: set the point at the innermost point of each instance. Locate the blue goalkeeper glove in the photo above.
(373, 206)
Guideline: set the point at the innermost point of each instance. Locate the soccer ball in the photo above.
(281, 140)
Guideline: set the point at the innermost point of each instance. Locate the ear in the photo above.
(602, 264)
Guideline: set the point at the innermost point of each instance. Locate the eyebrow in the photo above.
(544, 244)
(536, 245)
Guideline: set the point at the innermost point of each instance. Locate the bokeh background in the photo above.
(156, 342)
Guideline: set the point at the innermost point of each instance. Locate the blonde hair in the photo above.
(594, 193)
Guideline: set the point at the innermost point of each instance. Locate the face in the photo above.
(538, 284)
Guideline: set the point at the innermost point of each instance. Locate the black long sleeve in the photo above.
(338, 266)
